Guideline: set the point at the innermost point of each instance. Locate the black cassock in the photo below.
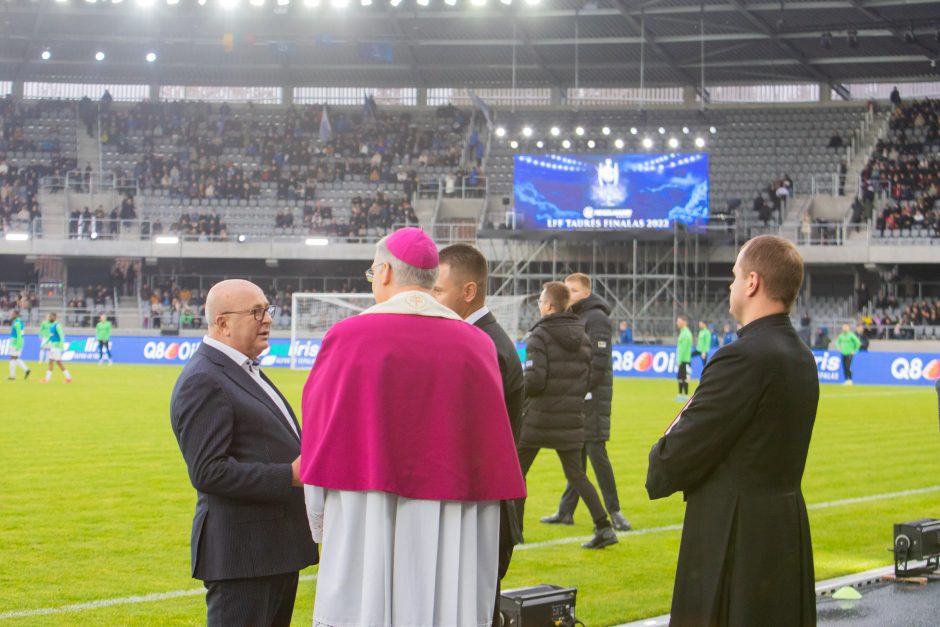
(737, 451)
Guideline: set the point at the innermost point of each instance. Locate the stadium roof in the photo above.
(563, 43)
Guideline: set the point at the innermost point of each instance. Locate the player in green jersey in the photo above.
(44, 327)
(55, 344)
(103, 335)
(17, 331)
(683, 356)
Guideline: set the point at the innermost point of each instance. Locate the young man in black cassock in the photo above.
(737, 451)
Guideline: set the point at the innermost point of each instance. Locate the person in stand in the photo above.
(862, 338)
(557, 379)
(461, 287)
(103, 335)
(407, 452)
(595, 314)
(17, 335)
(737, 452)
(241, 444)
(848, 344)
(683, 356)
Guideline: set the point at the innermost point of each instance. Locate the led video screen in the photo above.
(610, 192)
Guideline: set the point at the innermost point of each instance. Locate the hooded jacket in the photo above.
(594, 313)
(557, 376)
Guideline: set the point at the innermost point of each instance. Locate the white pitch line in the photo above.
(163, 596)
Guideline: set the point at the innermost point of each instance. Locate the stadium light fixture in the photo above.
(116, 1)
(172, 2)
(712, 130)
(699, 142)
(606, 130)
(339, 4)
(46, 54)
(685, 130)
(94, 235)
(591, 143)
(673, 143)
(423, 3)
(283, 3)
(450, 3)
(540, 144)
(91, 1)
(566, 144)
(99, 56)
(513, 144)
(16, 237)
(256, 3)
(527, 131)
(647, 143)
(633, 130)
(228, 4)
(662, 131)
(365, 3)
(311, 4)
(395, 3)
(151, 57)
(316, 241)
(506, 2)
(242, 238)
(579, 131)
(532, 3)
(555, 131)
(201, 3)
(618, 143)
(166, 240)
(61, 1)
(478, 3)
(500, 131)
(145, 3)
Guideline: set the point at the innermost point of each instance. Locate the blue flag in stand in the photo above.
(326, 131)
(379, 51)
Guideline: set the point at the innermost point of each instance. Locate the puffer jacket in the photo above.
(595, 315)
(558, 369)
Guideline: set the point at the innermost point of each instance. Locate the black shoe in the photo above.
(26, 376)
(603, 536)
(557, 519)
(620, 522)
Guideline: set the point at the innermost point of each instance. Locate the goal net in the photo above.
(312, 315)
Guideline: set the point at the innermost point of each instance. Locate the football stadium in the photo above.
(207, 207)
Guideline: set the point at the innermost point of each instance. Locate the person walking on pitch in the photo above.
(683, 356)
(103, 335)
(16, 346)
(54, 345)
(44, 327)
(848, 344)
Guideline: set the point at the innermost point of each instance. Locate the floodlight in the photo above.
(532, 3)
(283, 3)
(339, 4)
(46, 54)
(579, 131)
(647, 143)
(450, 3)
(316, 241)
(527, 131)
(16, 237)
(61, 1)
(555, 131)
(478, 3)
(566, 144)
(506, 2)
(311, 4)
(99, 56)
(172, 2)
(540, 144)
(366, 3)
(166, 239)
(712, 130)
(91, 1)
(242, 238)
(633, 130)
(500, 131)
(116, 1)
(151, 57)
(256, 3)
(618, 143)
(606, 130)
(423, 3)
(673, 143)
(591, 143)
(513, 144)
(662, 131)
(395, 3)
(228, 4)
(145, 3)
(685, 130)
(699, 142)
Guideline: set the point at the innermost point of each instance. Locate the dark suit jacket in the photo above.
(238, 448)
(738, 452)
(510, 369)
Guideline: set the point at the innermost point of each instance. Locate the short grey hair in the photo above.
(402, 273)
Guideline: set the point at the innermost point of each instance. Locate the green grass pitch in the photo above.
(95, 503)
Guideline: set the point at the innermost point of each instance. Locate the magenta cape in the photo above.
(410, 405)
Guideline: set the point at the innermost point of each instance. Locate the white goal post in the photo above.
(313, 313)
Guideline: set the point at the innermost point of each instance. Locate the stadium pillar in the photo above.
(557, 96)
(16, 90)
(422, 97)
(825, 92)
(287, 95)
(688, 95)
(154, 93)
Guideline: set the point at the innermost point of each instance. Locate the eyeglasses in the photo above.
(257, 312)
(370, 273)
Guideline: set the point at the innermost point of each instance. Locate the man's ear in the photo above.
(386, 275)
(754, 282)
(469, 291)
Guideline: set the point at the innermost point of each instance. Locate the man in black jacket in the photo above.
(241, 443)
(557, 376)
(594, 313)
(737, 451)
(461, 286)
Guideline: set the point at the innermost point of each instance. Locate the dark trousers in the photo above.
(104, 347)
(847, 366)
(259, 601)
(603, 472)
(574, 473)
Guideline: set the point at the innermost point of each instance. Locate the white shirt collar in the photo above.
(476, 315)
(227, 350)
(412, 302)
